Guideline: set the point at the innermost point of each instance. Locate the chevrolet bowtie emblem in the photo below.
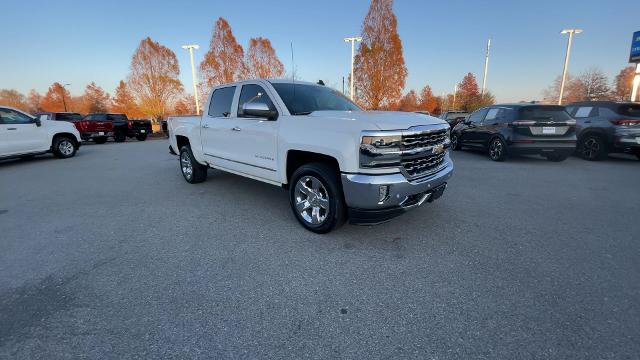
(438, 149)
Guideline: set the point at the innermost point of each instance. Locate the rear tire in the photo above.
(100, 140)
(556, 157)
(592, 148)
(192, 171)
(119, 136)
(497, 149)
(141, 137)
(316, 197)
(64, 147)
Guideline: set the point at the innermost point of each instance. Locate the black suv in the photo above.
(124, 128)
(545, 130)
(454, 117)
(605, 127)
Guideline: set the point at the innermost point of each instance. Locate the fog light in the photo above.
(383, 193)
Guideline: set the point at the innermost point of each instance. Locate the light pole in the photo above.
(352, 40)
(193, 74)
(64, 103)
(455, 91)
(486, 67)
(566, 59)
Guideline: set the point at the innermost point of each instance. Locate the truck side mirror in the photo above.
(259, 109)
(38, 122)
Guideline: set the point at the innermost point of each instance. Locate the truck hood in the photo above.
(381, 120)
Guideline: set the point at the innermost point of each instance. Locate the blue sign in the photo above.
(635, 48)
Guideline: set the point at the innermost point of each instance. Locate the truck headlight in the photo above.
(380, 150)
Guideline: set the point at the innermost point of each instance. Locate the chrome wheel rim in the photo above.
(590, 148)
(311, 200)
(495, 151)
(65, 147)
(185, 164)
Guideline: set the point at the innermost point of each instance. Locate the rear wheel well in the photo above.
(297, 158)
(181, 141)
(67, 135)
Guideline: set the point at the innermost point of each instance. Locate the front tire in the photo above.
(316, 197)
(192, 171)
(497, 149)
(592, 148)
(455, 142)
(64, 147)
(141, 137)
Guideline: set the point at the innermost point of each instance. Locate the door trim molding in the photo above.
(240, 162)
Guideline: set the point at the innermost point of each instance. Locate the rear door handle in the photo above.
(236, 129)
(12, 128)
(205, 126)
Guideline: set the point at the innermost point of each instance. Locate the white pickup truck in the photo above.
(23, 135)
(336, 160)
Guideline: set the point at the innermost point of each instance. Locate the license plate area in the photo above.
(548, 130)
(100, 132)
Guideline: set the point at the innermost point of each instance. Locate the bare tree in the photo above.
(595, 85)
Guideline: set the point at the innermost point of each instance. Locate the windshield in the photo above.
(303, 99)
(554, 113)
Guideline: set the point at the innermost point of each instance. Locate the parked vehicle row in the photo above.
(337, 161)
(592, 129)
(22, 136)
(101, 126)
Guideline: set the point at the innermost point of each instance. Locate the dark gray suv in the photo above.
(605, 127)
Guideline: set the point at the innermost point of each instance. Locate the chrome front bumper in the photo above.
(362, 192)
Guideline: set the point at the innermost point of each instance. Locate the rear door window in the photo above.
(221, 99)
(584, 111)
(477, 117)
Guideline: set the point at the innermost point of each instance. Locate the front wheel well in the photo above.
(67, 135)
(297, 158)
(181, 141)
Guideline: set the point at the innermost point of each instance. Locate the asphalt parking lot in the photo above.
(111, 254)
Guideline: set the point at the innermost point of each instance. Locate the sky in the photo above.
(77, 42)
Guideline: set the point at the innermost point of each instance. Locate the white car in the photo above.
(23, 136)
(336, 160)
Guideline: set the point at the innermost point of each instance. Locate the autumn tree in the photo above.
(186, 105)
(34, 101)
(56, 99)
(380, 71)
(224, 62)
(595, 85)
(13, 98)
(409, 102)
(468, 92)
(573, 90)
(427, 101)
(623, 83)
(153, 79)
(124, 102)
(93, 100)
(262, 61)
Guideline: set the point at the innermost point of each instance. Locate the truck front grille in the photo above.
(429, 157)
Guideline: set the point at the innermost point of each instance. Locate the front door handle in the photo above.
(205, 126)
(236, 129)
(12, 128)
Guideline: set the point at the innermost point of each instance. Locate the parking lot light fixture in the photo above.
(566, 59)
(193, 74)
(352, 40)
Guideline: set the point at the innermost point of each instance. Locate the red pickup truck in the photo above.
(90, 128)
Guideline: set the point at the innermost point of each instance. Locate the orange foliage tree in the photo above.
(186, 105)
(56, 99)
(153, 79)
(224, 62)
(13, 98)
(380, 71)
(468, 92)
(623, 83)
(262, 61)
(34, 101)
(428, 102)
(93, 100)
(409, 102)
(124, 102)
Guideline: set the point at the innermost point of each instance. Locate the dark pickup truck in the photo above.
(124, 128)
